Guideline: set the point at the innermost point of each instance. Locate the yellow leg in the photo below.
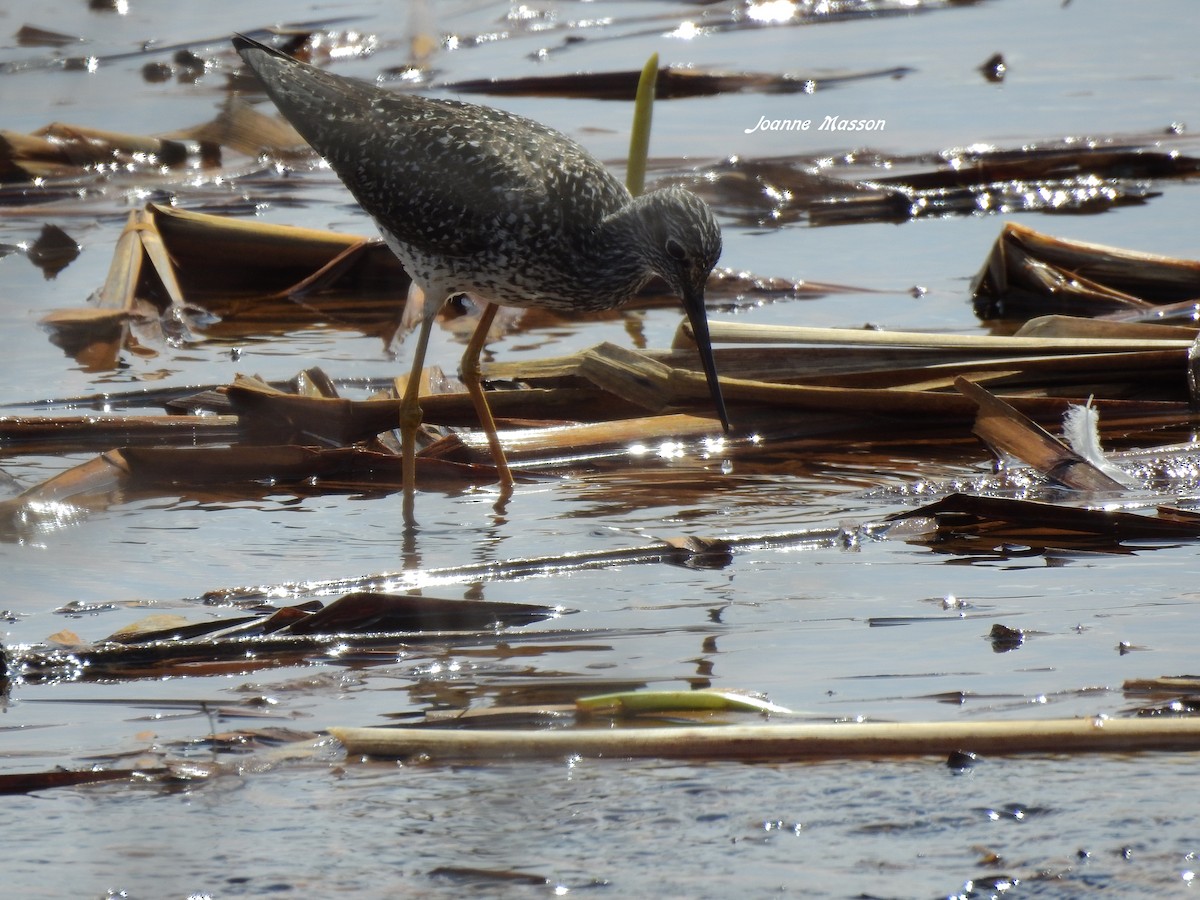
(469, 372)
(410, 420)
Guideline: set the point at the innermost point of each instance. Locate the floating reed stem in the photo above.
(782, 742)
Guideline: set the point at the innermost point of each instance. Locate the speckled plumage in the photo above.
(476, 199)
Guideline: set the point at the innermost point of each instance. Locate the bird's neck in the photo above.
(617, 249)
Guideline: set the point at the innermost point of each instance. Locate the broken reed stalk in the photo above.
(782, 742)
(745, 333)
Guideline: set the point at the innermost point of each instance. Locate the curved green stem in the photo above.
(639, 139)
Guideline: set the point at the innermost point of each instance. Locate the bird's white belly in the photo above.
(495, 280)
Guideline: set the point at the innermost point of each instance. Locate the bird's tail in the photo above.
(304, 94)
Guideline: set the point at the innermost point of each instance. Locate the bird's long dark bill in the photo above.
(694, 306)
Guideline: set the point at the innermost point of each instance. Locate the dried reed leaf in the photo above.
(24, 157)
(175, 628)
(1028, 273)
(72, 434)
(272, 417)
(331, 272)
(281, 261)
(865, 366)
(1035, 522)
(86, 145)
(152, 624)
(984, 345)
(1168, 684)
(197, 235)
(25, 782)
(656, 387)
(1067, 177)
(1058, 326)
(63, 499)
(359, 612)
(1150, 276)
(241, 127)
(159, 258)
(630, 375)
(1007, 431)
(96, 338)
(574, 443)
(269, 273)
(62, 151)
(726, 284)
(339, 468)
(529, 408)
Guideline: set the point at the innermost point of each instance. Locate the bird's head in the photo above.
(682, 243)
(684, 240)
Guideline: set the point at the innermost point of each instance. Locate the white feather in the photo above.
(1081, 429)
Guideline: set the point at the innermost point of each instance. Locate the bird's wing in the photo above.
(441, 175)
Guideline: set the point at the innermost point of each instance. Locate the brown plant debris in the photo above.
(672, 83)
(1030, 274)
(59, 150)
(27, 782)
(1080, 176)
(360, 621)
(1046, 524)
(817, 385)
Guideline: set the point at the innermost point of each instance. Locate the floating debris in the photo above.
(994, 68)
(1067, 176)
(673, 83)
(53, 251)
(1030, 274)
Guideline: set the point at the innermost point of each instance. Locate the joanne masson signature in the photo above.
(829, 123)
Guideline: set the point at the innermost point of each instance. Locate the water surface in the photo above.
(792, 623)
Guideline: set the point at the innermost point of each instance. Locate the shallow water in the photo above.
(793, 623)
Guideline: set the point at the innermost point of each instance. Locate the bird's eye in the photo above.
(675, 250)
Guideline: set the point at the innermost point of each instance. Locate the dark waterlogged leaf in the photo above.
(53, 251)
(335, 469)
(33, 36)
(1004, 639)
(248, 652)
(73, 434)
(171, 628)
(994, 68)
(358, 622)
(1042, 522)
(24, 783)
(377, 612)
(469, 875)
(672, 83)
